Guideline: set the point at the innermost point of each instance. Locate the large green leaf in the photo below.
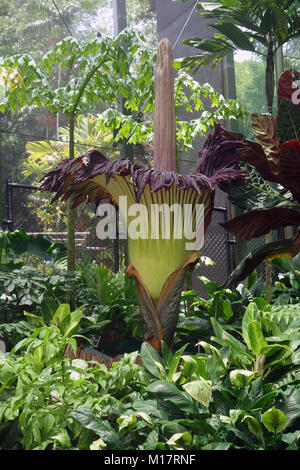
(257, 341)
(152, 361)
(167, 391)
(200, 390)
(19, 242)
(274, 420)
(73, 324)
(254, 427)
(241, 377)
(102, 428)
(291, 405)
(61, 317)
(251, 314)
(281, 248)
(236, 35)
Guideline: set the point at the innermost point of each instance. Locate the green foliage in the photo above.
(188, 94)
(173, 401)
(32, 295)
(258, 27)
(95, 68)
(286, 289)
(43, 155)
(108, 296)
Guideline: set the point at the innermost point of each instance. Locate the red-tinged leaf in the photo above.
(294, 144)
(255, 156)
(261, 221)
(264, 130)
(287, 87)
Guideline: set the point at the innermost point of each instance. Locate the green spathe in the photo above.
(155, 260)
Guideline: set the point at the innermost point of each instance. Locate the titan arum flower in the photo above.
(158, 262)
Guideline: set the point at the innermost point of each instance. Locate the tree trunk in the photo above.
(270, 72)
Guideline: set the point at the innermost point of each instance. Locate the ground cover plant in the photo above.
(230, 382)
(240, 391)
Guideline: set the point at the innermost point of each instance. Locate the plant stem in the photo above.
(268, 272)
(71, 217)
(70, 211)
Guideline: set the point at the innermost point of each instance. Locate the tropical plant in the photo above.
(158, 264)
(286, 289)
(199, 402)
(44, 154)
(249, 25)
(174, 401)
(10, 78)
(32, 294)
(108, 296)
(92, 67)
(271, 195)
(14, 245)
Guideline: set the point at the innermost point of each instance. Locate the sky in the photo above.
(239, 56)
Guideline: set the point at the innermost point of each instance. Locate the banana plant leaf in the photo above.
(278, 249)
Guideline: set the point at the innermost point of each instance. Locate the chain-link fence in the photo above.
(219, 247)
(113, 253)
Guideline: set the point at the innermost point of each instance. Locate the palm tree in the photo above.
(260, 27)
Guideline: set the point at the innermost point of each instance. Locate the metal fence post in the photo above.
(116, 244)
(9, 207)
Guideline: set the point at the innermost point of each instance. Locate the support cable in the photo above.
(62, 18)
(184, 26)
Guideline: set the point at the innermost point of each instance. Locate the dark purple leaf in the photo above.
(261, 221)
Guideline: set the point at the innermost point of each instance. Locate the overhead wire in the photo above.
(62, 18)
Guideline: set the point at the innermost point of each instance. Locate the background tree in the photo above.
(260, 27)
(248, 73)
(92, 67)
